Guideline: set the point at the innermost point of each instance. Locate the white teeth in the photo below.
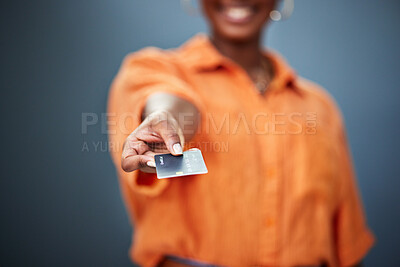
(238, 12)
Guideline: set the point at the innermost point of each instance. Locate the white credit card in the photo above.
(190, 163)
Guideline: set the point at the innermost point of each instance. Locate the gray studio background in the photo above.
(61, 206)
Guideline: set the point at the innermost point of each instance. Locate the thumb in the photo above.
(173, 139)
(168, 128)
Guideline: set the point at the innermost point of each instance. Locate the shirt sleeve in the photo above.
(142, 74)
(353, 238)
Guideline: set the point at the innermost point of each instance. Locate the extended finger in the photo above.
(172, 135)
(133, 155)
(133, 163)
(172, 140)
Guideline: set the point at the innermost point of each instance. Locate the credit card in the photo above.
(190, 163)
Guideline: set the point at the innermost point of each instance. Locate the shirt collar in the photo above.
(199, 54)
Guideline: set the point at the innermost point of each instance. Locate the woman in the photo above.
(280, 189)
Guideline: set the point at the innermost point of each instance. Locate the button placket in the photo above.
(269, 198)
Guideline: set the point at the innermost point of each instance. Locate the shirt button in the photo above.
(269, 221)
(271, 172)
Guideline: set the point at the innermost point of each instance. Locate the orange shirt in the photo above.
(280, 189)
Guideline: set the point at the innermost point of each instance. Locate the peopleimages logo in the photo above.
(229, 123)
(97, 128)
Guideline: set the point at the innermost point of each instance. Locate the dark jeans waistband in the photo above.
(196, 263)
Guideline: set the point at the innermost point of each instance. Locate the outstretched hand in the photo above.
(158, 133)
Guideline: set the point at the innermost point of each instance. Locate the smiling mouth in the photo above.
(238, 14)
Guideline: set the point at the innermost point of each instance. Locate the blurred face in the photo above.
(237, 20)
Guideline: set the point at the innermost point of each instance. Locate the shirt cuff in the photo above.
(354, 254)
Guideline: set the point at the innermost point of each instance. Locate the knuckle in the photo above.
(142, 164)
(124, 166)
(157, 117)
(171, 138)
(171, 135)
(128, 165)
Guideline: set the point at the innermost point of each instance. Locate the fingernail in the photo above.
(177, 148)
(151, 164)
